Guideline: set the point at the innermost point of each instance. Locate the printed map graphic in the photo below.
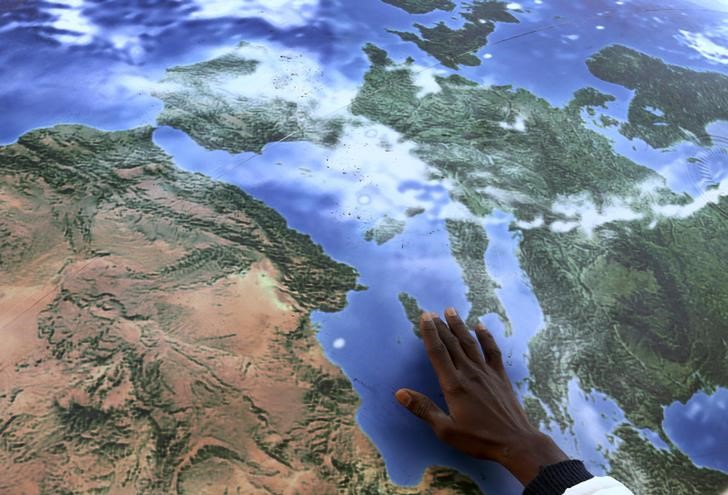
(220, 221)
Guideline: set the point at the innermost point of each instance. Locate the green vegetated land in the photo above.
(412, 310)
(646, 469)
(422, 6)
(670, 103)
(386, 229)
(633, 310)
(589, 99)
(200, 99)
(456, 47)
(468, 243)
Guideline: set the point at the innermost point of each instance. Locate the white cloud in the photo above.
(562, 227)
(707, 47)
(339, 343)
(455, 211)
(378, 163)
(652, 186)
(424, 78)
(581, 212)
(71, 26)
(372, 171)
(367, 169)
(77, 29)
(519, 124)
(281, 73)
(366, 172)
(127, 42)
(125, 84)
(533, 224)
(711, 196)
(360, 172)
(281, 13)
(70, 18)
(287, 74)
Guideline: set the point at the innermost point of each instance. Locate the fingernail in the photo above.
(480, 326)
(426, 316)
(403, 397)
(451, 312)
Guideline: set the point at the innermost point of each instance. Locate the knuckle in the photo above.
(444, 335)
(428, 331)
(446, 433)
(471, 373)
(421, 407)
(454, 386)
(470, 345)
(438, 347)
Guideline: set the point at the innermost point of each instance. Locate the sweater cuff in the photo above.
(557, 478)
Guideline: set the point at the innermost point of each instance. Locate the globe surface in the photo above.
(222, 219)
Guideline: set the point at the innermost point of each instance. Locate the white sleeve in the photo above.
(599, 486)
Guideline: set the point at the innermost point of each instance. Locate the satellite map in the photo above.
(221, 219)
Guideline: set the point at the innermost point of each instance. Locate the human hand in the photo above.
(485, 419)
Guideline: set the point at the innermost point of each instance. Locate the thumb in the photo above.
(422, 406)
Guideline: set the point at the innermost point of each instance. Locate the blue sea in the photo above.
(70, 72)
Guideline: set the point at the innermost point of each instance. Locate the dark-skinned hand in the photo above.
(484, 417)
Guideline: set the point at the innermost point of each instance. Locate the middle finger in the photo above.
(452, 343)
(467, 342)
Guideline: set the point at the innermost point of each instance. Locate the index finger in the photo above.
(436, 349)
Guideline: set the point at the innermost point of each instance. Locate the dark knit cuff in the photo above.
(557, 478)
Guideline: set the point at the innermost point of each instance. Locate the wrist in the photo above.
(529, 453)
(558, 478)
